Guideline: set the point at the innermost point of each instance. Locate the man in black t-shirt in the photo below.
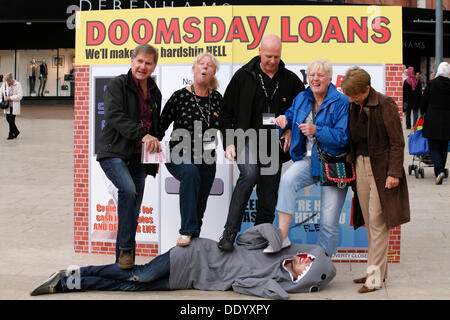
(259, 91)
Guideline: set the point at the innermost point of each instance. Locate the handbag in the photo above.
(4, 104)
(335, 170)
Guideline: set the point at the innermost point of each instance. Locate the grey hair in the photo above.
(443, 69)
(145, 49)
(321, 64)
(9, 76)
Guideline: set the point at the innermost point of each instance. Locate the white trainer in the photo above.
(286, 243)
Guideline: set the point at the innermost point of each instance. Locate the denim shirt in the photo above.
(331, 125)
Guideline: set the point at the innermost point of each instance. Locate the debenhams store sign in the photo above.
(88, 5)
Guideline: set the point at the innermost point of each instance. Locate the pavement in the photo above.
(36, 225)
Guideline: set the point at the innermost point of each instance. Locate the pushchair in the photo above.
(418, 148)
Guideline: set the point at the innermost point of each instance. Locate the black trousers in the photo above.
(266, 192)
(439, 152)
(11, 119)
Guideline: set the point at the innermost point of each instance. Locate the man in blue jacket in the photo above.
(132, 108)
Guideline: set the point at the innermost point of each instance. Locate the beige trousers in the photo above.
(377, 232)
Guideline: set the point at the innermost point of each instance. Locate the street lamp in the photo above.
(439, 34)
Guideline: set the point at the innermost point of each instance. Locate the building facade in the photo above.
(39, 50)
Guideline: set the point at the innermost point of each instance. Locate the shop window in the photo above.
(42, 73)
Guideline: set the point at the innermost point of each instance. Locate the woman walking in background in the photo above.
(412, 92)
(436, 126)
(11, 91)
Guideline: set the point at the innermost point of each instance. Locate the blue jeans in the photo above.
(129, 178)
(439, 152)
(297, 177)
(151, 276)
(196, 181)
(266, 192)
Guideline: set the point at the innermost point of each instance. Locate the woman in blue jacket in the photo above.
(320, 113)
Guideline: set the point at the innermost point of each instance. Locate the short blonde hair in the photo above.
(320, 64)
(355, 81)
(214, 84)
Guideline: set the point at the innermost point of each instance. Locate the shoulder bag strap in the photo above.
(319, 150)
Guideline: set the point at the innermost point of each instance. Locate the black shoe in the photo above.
(51, 285)
(16, 134)
(226, 242)
(10, 136)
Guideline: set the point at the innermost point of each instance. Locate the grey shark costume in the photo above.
(202, 266)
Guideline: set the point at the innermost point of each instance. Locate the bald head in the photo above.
(270, 54)
(270, 41)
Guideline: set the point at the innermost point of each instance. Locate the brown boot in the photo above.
(126, 260)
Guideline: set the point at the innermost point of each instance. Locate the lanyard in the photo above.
(319, 150)
(265, 91)
(313, 113)
(207, 120)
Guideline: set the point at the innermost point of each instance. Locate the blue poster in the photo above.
(308, 212)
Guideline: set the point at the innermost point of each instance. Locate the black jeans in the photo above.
(266, 192)
(439, 152)
(408, 116)
(11, 119)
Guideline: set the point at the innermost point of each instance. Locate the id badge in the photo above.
(268, 119)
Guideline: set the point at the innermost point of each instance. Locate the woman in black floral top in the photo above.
(194, 111)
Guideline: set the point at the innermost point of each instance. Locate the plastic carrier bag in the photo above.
(417, 144)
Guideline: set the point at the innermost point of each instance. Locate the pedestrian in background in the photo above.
(435, 107)
(11, 91)
(412, 91)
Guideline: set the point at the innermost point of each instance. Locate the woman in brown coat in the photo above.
(381, 200)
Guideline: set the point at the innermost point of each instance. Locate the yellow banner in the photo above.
(342, 34)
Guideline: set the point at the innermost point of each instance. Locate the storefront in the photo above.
(41, 72)
(39, 41)
(37, 47)
(419, 40)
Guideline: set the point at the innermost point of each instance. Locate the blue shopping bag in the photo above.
(417, 144)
